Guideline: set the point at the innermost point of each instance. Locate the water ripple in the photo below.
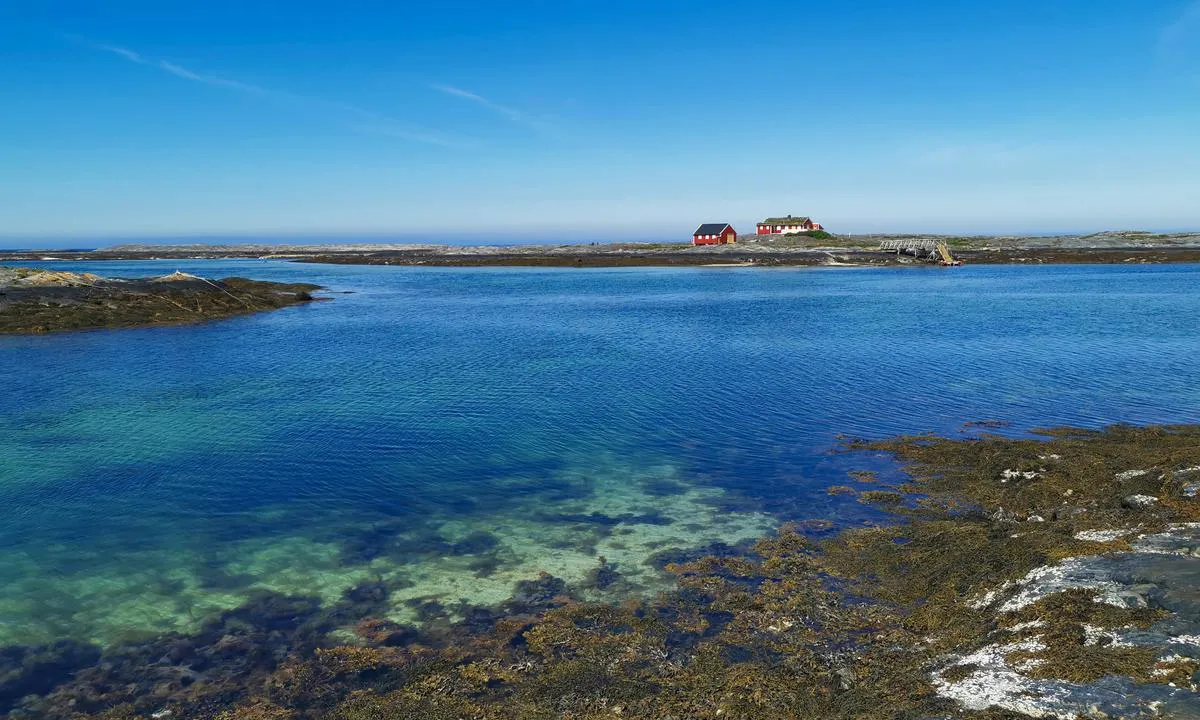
(432, 403)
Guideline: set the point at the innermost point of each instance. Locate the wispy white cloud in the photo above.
(386, 127)
(512, 114)
(182, 72)
(357, 119)
(127, 54)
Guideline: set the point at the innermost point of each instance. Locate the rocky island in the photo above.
(797, 250)
(36, 301)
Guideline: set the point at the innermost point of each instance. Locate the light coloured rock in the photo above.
(1093, 635)
(1069, 574)
(1102, 535)
(177, 276)
(1140, 501)
(35, 277)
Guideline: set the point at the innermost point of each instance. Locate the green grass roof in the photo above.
(789, 220)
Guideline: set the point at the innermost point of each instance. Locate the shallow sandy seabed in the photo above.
(146, 593)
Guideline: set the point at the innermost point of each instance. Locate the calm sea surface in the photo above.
(453, 431)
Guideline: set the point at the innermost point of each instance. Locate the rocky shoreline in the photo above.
(767, 251)
(822, 257)
(37, 301)
(1047, 576)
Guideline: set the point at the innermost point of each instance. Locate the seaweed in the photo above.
(475, 543)
(36, 670)
(598, 518)
(603, 576)
(806, 623)
(663, 487)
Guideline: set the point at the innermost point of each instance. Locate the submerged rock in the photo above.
(603, 576)
(988, 680)
(1140, 501)
(36, 670)
(542, 593)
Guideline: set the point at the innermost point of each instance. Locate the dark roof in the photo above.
(712, 228)
(789, 220)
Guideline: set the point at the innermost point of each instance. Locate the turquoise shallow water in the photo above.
(453, 431)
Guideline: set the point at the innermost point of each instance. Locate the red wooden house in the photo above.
(714, 234)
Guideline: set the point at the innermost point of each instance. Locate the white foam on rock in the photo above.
(1092, 635)
(1007, 475)
(990, 596)
(1141, 501)
(1070, 574)
(1167, 664)
(997, 683)
(1193, 640)
(1174, 541)
(1101, 535)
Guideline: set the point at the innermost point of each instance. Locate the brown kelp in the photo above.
(1013, 577)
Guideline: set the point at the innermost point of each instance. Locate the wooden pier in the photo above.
(932, 250)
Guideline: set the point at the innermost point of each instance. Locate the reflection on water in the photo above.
(450, 432)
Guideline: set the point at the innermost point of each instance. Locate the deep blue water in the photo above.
(459, 429)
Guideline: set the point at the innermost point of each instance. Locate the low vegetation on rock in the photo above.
(36, 301)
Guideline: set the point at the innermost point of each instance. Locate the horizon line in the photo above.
(322, 237)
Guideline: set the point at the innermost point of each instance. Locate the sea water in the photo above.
(452, 431)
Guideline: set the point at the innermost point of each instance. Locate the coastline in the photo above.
(999, 586)
(760, 251)
(834, 257)
(36, 302)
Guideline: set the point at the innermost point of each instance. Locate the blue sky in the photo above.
(587, 119)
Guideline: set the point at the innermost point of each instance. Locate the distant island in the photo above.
(36, 301)
(804, 249)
